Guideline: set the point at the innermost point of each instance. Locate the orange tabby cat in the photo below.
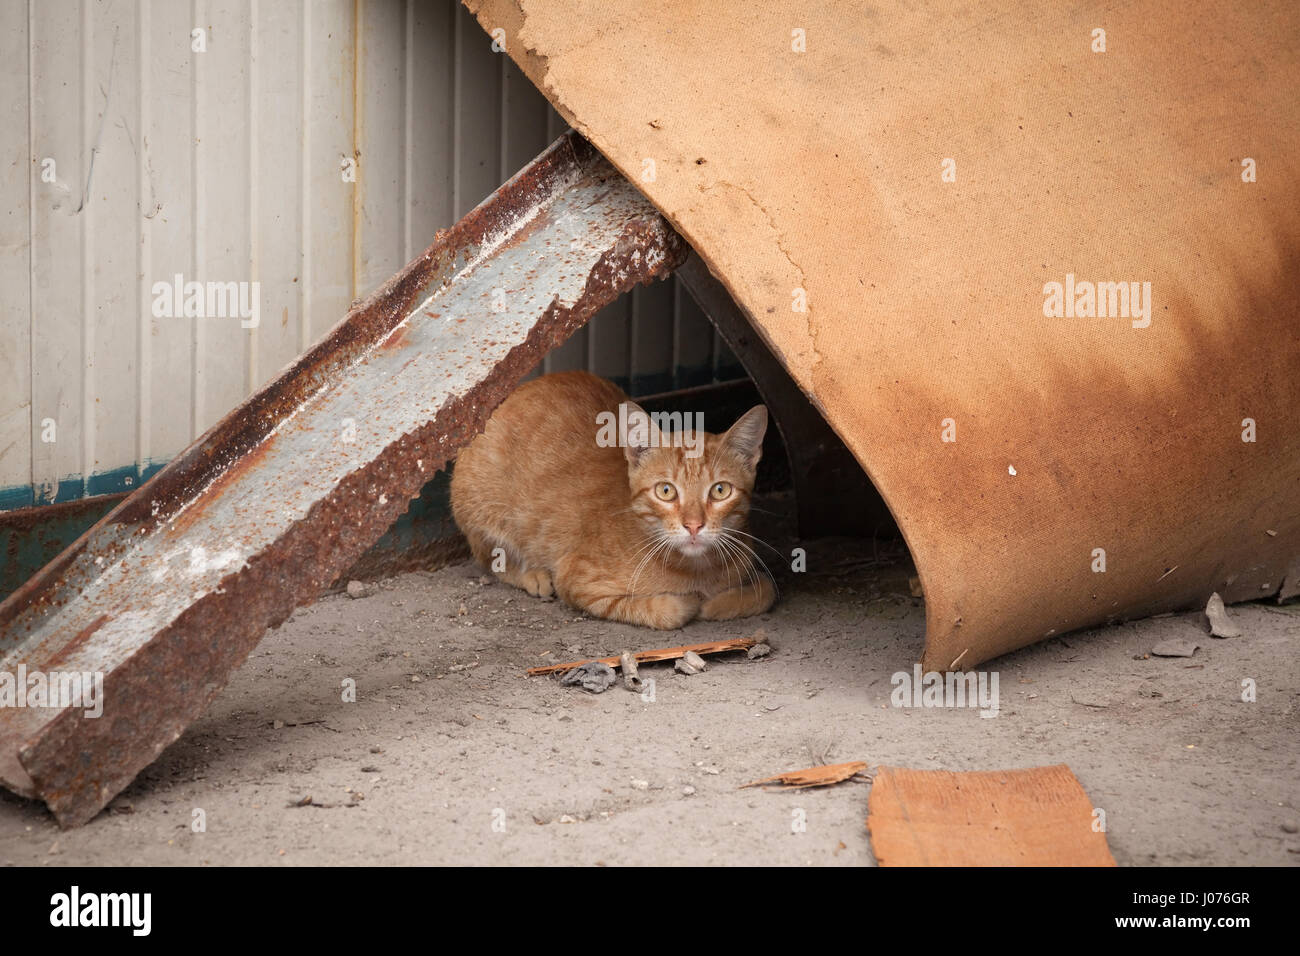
(650, 533)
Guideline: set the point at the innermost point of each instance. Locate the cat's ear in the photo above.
(745, 437)
(640, 433)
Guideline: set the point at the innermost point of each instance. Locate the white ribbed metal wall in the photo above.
(226, 165)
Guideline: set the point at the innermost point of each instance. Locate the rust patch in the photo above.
(66, 651)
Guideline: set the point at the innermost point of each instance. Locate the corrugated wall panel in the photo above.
(17, 176)
(310, 146)
(277, 212)
(59, 270)
(111, 300)
(222, 234)
(430, 86)
(325, 286)
(166, 225)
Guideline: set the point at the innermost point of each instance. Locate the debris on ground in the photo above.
(307, 801)
(758, 650)
(812, 777)
(1220, 624)
(358, 589)
(594, 676)
(1093, 701)
(691, 663)
(627, 664)
(1177, 647)
(1035, 817)
(659, 654)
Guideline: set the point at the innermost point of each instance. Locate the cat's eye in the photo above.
(720, 490)
(664, 491)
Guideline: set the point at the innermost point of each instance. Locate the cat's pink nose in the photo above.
(693, 527)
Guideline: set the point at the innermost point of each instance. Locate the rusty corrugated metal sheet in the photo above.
(171, 590)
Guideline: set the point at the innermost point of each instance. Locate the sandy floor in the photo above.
(450, 754)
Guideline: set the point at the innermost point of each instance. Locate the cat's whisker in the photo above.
(742, 564)
(753, 553)
(755, 537)
(759, 559)
(725, 550)
(654, 538)
(654, 544)
(664, 541)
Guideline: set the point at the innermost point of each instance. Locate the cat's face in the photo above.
(695, 501)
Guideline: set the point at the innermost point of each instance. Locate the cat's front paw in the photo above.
(739, 602)
(538, 583)
(667, 612)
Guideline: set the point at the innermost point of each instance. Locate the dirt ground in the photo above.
(451, 755)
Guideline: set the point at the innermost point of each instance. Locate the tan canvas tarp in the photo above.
(824, 171)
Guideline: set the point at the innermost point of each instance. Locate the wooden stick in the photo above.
(660, 654)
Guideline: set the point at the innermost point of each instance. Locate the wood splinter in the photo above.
(813, 776)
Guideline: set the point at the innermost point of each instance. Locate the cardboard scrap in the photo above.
(1035, 817)
(659, 654)
(813, 776)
